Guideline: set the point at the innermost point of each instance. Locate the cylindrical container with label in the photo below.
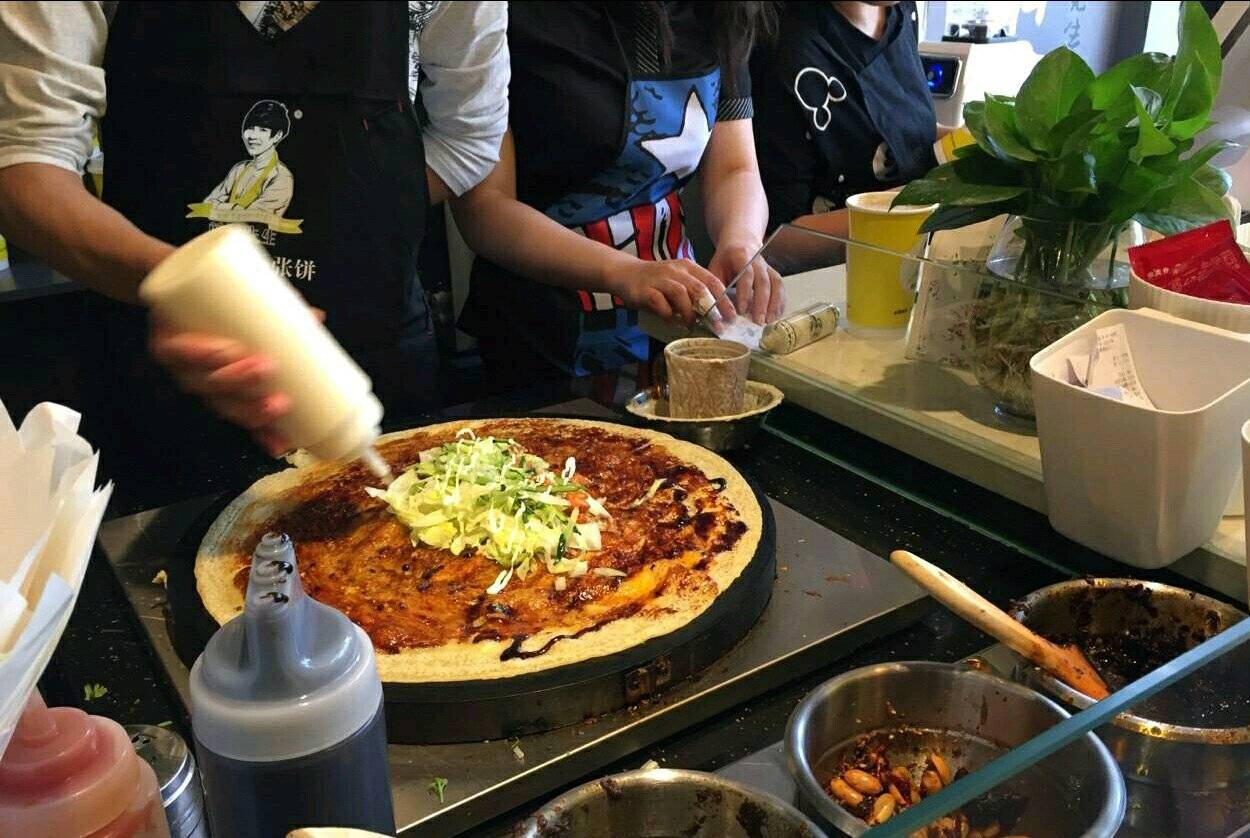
(881, 263)
(70, 775)
(179, 782)
(223, 283)
(800, 329)
(287, 715)
(706, 377)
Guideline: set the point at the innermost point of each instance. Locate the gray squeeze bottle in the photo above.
(286, 712)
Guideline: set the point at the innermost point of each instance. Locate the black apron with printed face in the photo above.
(307, 136)
(874, 124)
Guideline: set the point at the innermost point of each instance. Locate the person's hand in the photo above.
(235, 382)
(759, 293)
(673, 289)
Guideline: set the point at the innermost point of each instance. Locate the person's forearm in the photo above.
(439, 191)
(736, 209)
(47, 211)
(834, 222)
(523, 240)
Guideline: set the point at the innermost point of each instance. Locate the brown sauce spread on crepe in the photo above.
(355, 555)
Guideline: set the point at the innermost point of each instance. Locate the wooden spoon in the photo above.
(1064, 662)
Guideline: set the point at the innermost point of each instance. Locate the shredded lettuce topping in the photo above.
(489, 496)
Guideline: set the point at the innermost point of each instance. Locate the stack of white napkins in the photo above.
(49, 513)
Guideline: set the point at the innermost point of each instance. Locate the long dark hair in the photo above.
(736, 25)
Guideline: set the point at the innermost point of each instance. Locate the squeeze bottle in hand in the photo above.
(224, 283)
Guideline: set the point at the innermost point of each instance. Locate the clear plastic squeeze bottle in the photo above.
(224, 283)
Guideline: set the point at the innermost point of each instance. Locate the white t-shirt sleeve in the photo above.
(51, 81)
(464, 56)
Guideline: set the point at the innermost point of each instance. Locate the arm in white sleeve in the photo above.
(464, 56)
(51, 81)
(51, 94)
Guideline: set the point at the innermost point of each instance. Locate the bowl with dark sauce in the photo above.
(1185, 752)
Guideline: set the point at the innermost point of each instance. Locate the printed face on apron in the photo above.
(255, 102)
(258, 190)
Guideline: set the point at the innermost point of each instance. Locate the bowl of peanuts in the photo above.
(868, 744)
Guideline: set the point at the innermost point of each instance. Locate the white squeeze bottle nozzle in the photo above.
(224, 283)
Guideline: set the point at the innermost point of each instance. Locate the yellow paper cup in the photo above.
(880, 286)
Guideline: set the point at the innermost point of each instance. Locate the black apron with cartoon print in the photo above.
(306, 134)
(868, 111)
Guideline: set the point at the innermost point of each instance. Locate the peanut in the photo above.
(882, 810)
(941, 767)
(862, 781)
(845, 793)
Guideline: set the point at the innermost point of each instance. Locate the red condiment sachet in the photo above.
(1205, 262)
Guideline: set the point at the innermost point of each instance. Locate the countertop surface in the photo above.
(859, 488)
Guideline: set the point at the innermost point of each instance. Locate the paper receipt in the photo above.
(1111, 366)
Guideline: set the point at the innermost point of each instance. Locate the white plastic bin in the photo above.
(1144, 486)
(1232, 316)
(1245, 464)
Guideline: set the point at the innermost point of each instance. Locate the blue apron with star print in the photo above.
(633, 205)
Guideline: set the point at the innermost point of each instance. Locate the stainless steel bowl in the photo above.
(663, 803)
(967, 716)
(1183, 778)
(721, 433)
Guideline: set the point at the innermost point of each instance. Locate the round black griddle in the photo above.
(466, 711)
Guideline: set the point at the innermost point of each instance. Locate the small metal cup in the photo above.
(181, 793)
(706, 377)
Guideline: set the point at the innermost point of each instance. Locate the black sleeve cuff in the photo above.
(738, 108)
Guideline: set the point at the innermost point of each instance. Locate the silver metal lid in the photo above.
(167, 753)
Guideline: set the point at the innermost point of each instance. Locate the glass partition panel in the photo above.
(955, 367)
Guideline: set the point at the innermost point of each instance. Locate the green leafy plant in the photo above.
(1076, 158)
(1103, 150)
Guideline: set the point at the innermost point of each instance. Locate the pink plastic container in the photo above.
(76, 776)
